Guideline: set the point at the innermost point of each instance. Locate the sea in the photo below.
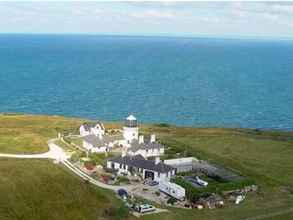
(199, 82)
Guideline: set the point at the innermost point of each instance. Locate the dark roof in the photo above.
(139, 162)
(145, 146)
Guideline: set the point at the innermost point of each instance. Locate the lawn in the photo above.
(38, 190)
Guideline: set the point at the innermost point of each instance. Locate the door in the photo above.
(149, 175)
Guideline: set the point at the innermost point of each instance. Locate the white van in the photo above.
(145, 208)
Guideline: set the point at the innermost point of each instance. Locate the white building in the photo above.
(95, 144)
(147, 169)
(96, 129)
(172, 189)
(150, 148)
(130, 129)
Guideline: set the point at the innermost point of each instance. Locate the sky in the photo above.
(221, 19)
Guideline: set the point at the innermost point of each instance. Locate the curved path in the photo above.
(55, 152)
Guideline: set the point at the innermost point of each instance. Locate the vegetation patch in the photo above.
(35, 189)
(25, 134)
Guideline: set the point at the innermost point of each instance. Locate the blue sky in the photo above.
(251, 19)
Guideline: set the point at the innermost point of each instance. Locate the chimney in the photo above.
(140, 139)
(157, 160)
(153, 138)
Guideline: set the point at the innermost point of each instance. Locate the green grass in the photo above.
(35, 189)
(29, 134)
(76, 140)
(263, 156)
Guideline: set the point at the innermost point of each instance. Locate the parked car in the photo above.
(201, 182)
(152, 183)
(144, 208)
(122, 193)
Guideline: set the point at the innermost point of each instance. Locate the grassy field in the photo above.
(29, 134)
(38, 190)
(264, 156)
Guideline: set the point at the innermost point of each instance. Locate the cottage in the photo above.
(148, 169)
(88, 128)
(94, 144)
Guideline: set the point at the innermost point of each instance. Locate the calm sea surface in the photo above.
(196, 82)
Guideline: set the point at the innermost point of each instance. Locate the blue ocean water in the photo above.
(186, 81)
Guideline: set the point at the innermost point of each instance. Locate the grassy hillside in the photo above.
(39, 190)
(265, 156)
(29, 134)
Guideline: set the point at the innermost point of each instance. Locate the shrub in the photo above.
(193, 194)
(89, 165)
(171, 201)
(164, 125)
(74, 157)
(122, 179)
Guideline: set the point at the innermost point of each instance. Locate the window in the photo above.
(159, 175)
(120, 166)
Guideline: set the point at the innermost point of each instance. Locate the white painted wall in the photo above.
(82, 131)
(179, 161)
(130, 134)
(98, 149)
(97, 131)
(149, 153)
(92, 149)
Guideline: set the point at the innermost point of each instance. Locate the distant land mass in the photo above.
(201, 82)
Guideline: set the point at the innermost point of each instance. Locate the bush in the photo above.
(89, 165)
(171, 201)
(122, 179)
(99, 158)
(193, 194)
(164, 125)
(74, 157)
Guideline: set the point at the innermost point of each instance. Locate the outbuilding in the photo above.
(147, 169)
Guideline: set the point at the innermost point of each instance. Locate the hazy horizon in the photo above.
(180, 19)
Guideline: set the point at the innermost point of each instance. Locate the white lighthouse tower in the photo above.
(130, 129)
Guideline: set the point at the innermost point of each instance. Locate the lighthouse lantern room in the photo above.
(130, 129)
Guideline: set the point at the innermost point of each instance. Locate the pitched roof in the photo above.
(91, 124)
(135, 146)
(94, 140)
(138, 161)
(86, 126)
(97, 142)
